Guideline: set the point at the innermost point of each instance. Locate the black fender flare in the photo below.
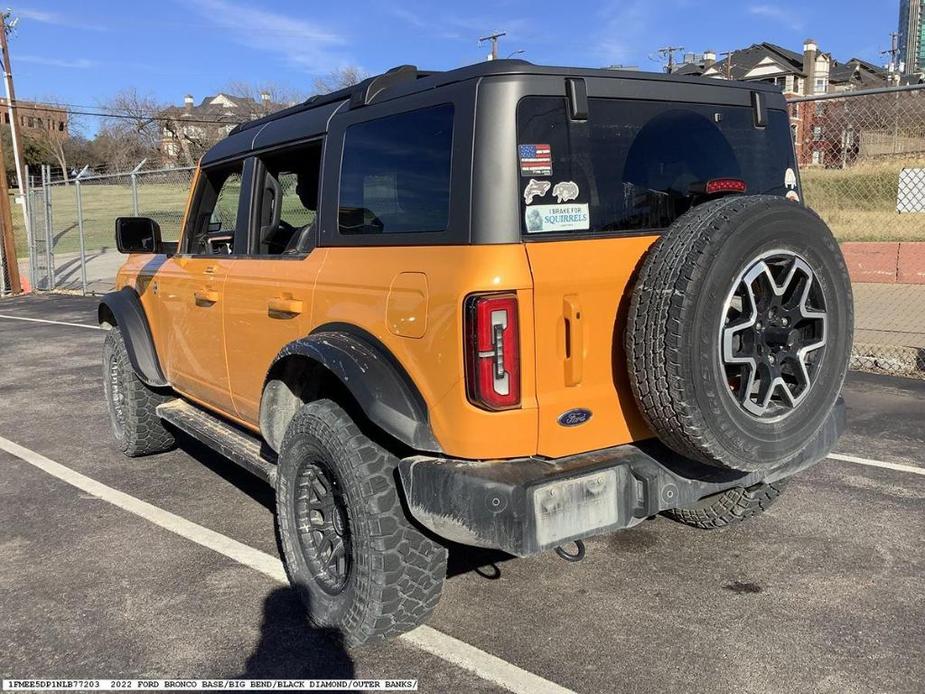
(374, 377)
(124, 306)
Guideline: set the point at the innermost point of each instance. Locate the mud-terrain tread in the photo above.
(399, 582)
(728, 507)
(676, 266)
(143, 432)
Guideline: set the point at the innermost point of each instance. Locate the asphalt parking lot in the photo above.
(824, 593)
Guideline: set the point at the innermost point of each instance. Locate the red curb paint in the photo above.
(872, 262)
(911, 264)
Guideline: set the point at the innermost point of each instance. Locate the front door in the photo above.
(268, 294)
(191, 284)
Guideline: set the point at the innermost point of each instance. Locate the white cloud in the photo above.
(621, 29)
(300, 42)
(778, 14)
(55, 18)
(77, 63)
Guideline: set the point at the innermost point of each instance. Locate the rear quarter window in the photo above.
(638, 165)
(395, 173)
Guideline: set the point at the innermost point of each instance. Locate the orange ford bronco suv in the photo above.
(506, 306)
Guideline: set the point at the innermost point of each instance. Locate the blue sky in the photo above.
(82, 52)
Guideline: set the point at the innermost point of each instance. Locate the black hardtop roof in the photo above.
(370, 88)
(407, 79)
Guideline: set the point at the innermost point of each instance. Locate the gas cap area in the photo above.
(406, 307)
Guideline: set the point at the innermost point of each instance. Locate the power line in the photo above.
(72, 109)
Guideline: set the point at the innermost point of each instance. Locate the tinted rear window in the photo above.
(637, 165)
(395, 173)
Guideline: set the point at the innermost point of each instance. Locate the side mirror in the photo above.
(138, 235)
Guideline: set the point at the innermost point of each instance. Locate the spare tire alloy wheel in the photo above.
(739, 333)
(774, 334)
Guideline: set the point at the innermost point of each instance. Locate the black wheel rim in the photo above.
(116, 393)
(773, 335)
(324, 530)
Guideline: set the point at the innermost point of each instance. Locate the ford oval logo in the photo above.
(575, 417)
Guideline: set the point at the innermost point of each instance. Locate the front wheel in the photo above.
(359, 565)
(132, 405)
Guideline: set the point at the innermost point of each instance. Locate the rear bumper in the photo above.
(524, 506)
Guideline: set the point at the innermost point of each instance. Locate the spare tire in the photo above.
(739, 332)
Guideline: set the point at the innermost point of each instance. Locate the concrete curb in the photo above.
(889, 262)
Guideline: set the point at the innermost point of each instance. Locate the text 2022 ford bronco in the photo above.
(507, 306)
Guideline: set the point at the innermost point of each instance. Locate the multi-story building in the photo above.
(911, 37)
(35, 117)
(190, 130)
(800, 74)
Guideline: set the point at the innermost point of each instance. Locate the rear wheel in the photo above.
(728, 507)
(739, 332)
(132, 405)
(358, 563)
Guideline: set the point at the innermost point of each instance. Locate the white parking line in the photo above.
(53, 322)
(452, 650)
(877, 463)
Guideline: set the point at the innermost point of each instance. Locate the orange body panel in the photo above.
(581, 294)
(218, 322)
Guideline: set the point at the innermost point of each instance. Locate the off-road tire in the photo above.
(396, 572)
(728, 507)
(135, 425)
(675, 320)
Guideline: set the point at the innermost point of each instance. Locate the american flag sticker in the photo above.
(535, 160)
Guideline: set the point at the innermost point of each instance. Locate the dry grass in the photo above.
(859, 203)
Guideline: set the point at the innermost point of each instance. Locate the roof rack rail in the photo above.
(368, 89)
(359, 94)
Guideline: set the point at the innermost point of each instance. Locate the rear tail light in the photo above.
(492, 336)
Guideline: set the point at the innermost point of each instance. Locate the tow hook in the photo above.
(577, 556)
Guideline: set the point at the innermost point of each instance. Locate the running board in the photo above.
(238, 446)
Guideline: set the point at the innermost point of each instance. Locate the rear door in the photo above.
(596, 194)
(268, 293)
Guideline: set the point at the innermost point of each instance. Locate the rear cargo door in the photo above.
(596, 192)
(581, 291)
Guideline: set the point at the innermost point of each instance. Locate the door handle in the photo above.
(206, 297)
(210, 270)
(574, 340)
(289, 307)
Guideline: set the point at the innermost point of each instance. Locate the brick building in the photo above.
(35, 116)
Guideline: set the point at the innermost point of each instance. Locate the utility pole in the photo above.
(668, 54)
(494, 43)
(6, 215)
(893, 52)
(728, 66)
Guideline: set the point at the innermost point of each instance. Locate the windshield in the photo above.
(637, 165)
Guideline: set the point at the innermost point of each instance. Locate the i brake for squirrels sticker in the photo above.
(541, 218)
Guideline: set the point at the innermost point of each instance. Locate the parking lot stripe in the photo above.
(53, 322)
(448, 648)
(878, 463)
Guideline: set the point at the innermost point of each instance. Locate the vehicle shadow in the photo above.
(464, 559)
(291, 648)
(257, 489)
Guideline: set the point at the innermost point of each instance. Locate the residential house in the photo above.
(189, 130)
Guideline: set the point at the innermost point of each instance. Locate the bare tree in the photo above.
(51, 140)
(346, 76)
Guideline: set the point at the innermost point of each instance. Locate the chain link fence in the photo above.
(862, 162)
(73, 243)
